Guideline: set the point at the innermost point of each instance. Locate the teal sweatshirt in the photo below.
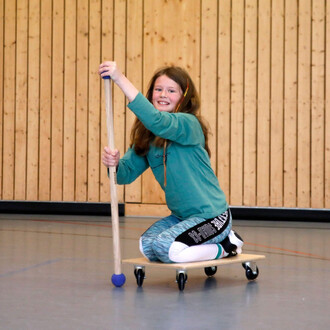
(192, 188)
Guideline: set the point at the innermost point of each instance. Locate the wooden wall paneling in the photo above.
(290, 105)
(208, 85)
(1, 85)
(82, 79)
(146, 210)
(317, 115)
(164, 45)
(9, 101)
(106, 54)
(327, 113)
(224, 91)
(94, 104)
(33, 101)
(271, 153)
(134, 70)
(157, 34)
(277, 65)
(250, 103)
(172, 36)
(21, 99)
(304, 104)
(69, 106)
(57, 102)
(237, 95)
(263, 105)
(45, 99)
(119, 100)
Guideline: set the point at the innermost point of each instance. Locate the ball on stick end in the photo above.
(118, 280)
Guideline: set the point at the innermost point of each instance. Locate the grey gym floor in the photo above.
(55, 274)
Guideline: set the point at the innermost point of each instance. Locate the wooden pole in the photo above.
(112, 174)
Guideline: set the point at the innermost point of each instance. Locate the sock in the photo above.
(221, 252)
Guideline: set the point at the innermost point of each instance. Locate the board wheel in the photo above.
(139, 275)
(210, 271)
(251, 271)
(181, 278)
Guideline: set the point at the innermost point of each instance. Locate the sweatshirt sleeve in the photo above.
(130, 167)
(182, 128)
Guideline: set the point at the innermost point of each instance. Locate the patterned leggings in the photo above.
(155, 243)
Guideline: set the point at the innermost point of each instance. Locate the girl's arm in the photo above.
(182, 128)
(110, 69)
(130, 167)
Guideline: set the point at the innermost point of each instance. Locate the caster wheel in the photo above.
(181, 278)
(210, 271)
(139, 275)
(251, 271)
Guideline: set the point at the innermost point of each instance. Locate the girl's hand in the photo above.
(110, 157)
(109, 68)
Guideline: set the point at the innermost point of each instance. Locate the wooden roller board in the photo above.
(210, 267)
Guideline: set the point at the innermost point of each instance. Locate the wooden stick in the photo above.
(112, 173)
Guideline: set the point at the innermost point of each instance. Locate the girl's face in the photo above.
(166, 94)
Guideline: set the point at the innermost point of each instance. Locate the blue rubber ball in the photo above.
(118, 280)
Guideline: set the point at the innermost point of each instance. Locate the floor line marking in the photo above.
(25, 269)
(287, 250)
(139, 229)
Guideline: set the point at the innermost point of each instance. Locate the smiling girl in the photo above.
(170, 137)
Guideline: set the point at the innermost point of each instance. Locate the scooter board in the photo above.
(210, 267)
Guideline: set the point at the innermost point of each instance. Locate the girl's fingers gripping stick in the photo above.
(118, 278)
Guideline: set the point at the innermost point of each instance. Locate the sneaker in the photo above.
(233, 243)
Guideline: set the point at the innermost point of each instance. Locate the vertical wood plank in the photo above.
(327, 114)
(290, 105)
(107, 54)
(164, 45)
(33, 101)
(82, 101)
(119, 100)
(45, 100)
(263, 126)
(21, 99)
(2, 3)
(250, 103)
(224, 90)
(133, 192)
(304, 104)
(209, 21)
(153, 48)
(94, 101)
(57, 102)
(237, 94)
(69, 101)
(317, 115)
(277, 65)
(9, 100)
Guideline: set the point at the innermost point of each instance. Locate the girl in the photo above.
(170, 136)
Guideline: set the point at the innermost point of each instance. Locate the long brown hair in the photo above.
(190, 103)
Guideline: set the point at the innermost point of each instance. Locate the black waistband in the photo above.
(205, 230)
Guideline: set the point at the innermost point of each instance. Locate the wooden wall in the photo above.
(262, 68)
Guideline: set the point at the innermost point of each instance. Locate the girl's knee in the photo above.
(145, 245)
(160, 247)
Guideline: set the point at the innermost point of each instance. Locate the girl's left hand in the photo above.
(110, 157)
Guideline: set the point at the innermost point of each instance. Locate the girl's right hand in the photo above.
(110, 157)
(109, 68)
